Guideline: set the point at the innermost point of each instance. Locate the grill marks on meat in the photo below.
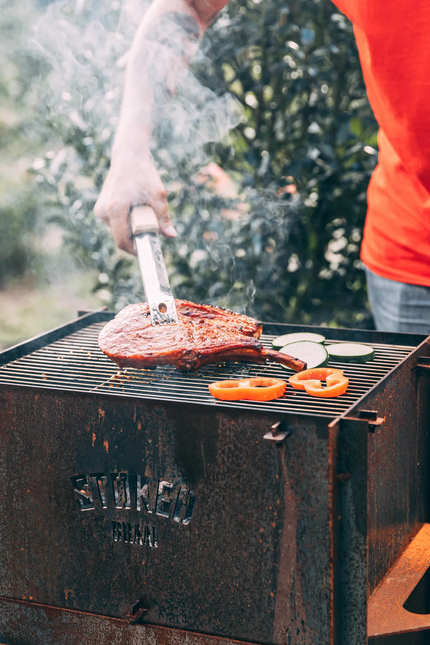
(204, 334)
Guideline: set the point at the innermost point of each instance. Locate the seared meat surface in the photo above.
(204, 334)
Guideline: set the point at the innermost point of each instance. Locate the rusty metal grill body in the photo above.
(134, 501)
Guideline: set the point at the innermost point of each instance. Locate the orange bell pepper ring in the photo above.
(252, 389)
(310, 381)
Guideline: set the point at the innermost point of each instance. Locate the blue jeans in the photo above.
(397, 306)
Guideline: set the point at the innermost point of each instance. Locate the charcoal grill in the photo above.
(135, 508)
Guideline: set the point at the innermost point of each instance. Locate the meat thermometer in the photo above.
(145, 228)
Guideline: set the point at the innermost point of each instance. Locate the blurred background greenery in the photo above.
(277, 237)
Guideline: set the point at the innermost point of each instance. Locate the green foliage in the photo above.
(20, 139)
(287, 249)
(17, 224)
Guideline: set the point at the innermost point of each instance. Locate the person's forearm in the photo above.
(166, 39)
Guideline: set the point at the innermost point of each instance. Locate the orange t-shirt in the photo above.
(394, 47)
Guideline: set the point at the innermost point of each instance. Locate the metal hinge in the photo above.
(423, 366)
(371, 416)
(277, 433)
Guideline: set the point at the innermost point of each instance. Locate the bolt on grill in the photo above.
(75, 363)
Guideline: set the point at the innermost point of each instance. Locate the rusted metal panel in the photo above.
(348, 452)
(190, 513)
(398, 463)
(25, 623)
(387, 614)
(413, 638)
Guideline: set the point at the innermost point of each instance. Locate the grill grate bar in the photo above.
(206, 399)
(75, 363)
(266, 340)
(43, 371)
(59, 362)
(159, 384)
(29, 374)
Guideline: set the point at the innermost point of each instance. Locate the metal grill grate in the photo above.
(75, 363)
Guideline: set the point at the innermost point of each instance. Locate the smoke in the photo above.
(86, 46)
(83, 48)
(80, 50)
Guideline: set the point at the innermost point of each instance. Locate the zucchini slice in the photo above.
(314, 354)
(286, 339)
(351, 353)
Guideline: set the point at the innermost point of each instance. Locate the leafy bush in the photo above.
(287, 247)
(19, 136)
(18, 221)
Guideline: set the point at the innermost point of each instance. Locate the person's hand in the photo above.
(132, 180)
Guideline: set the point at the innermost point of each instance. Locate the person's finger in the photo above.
(100, 211)
(119, 222)
(159, 204)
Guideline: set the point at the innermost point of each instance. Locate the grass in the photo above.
(27, 310)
